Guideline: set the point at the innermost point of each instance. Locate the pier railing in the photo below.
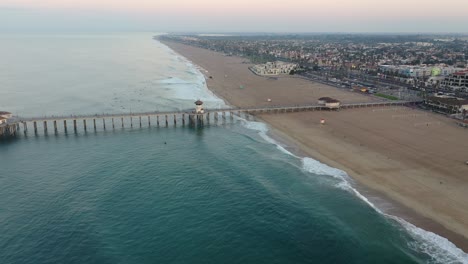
(251, 110)
(86, 122)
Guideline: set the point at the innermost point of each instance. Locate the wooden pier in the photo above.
(96, 122)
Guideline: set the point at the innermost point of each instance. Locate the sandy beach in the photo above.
(413, 159)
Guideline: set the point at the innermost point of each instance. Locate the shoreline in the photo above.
(385, 205)
(294, 145)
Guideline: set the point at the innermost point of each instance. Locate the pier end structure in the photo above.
(9, 126)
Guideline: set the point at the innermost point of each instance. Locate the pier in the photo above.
(195, 118)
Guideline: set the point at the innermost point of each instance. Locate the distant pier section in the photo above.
(10, 126)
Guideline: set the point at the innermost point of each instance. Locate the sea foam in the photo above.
(438, 248)
(262, 130)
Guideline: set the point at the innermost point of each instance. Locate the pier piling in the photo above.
(194, 118)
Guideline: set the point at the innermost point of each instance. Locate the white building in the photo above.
(457, 81)
(4, 116)
(274, 68)
(329, 102)
(419, 71)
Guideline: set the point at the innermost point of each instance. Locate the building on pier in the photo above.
(329, 102)
(4, 116)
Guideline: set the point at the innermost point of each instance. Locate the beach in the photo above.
(412, 159)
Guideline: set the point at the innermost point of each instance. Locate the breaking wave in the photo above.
(438, 248)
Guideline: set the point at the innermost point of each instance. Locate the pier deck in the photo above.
(86, 122)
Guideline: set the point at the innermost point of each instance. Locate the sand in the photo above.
(412, 158)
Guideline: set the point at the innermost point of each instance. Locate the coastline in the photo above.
(229, 91)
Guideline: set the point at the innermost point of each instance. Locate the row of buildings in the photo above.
(351, 51)
(420, 61)
(410, 71)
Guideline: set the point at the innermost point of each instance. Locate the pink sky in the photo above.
(350, 8)
(255, 13)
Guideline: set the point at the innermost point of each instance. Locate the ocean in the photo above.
(224, 193)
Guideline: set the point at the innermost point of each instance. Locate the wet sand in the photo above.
(413, 159)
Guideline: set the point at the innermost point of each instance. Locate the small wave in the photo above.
(173, 80)
(440, 249)
(263, 129)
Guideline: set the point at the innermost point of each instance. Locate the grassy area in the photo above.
(389, 97)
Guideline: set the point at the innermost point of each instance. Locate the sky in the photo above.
(235, 15)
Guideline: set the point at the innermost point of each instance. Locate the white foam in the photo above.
(193, 88)
(440, 249)
(263, 129)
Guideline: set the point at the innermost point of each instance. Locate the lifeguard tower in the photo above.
(199, 107)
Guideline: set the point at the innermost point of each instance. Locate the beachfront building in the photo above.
(409, 71)
(199, 107)
(329, 102)
(274, 68)
(457, 81)
(446, 104)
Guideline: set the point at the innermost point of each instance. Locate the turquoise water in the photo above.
(221, 194)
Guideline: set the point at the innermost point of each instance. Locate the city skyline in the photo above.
(240, 16)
